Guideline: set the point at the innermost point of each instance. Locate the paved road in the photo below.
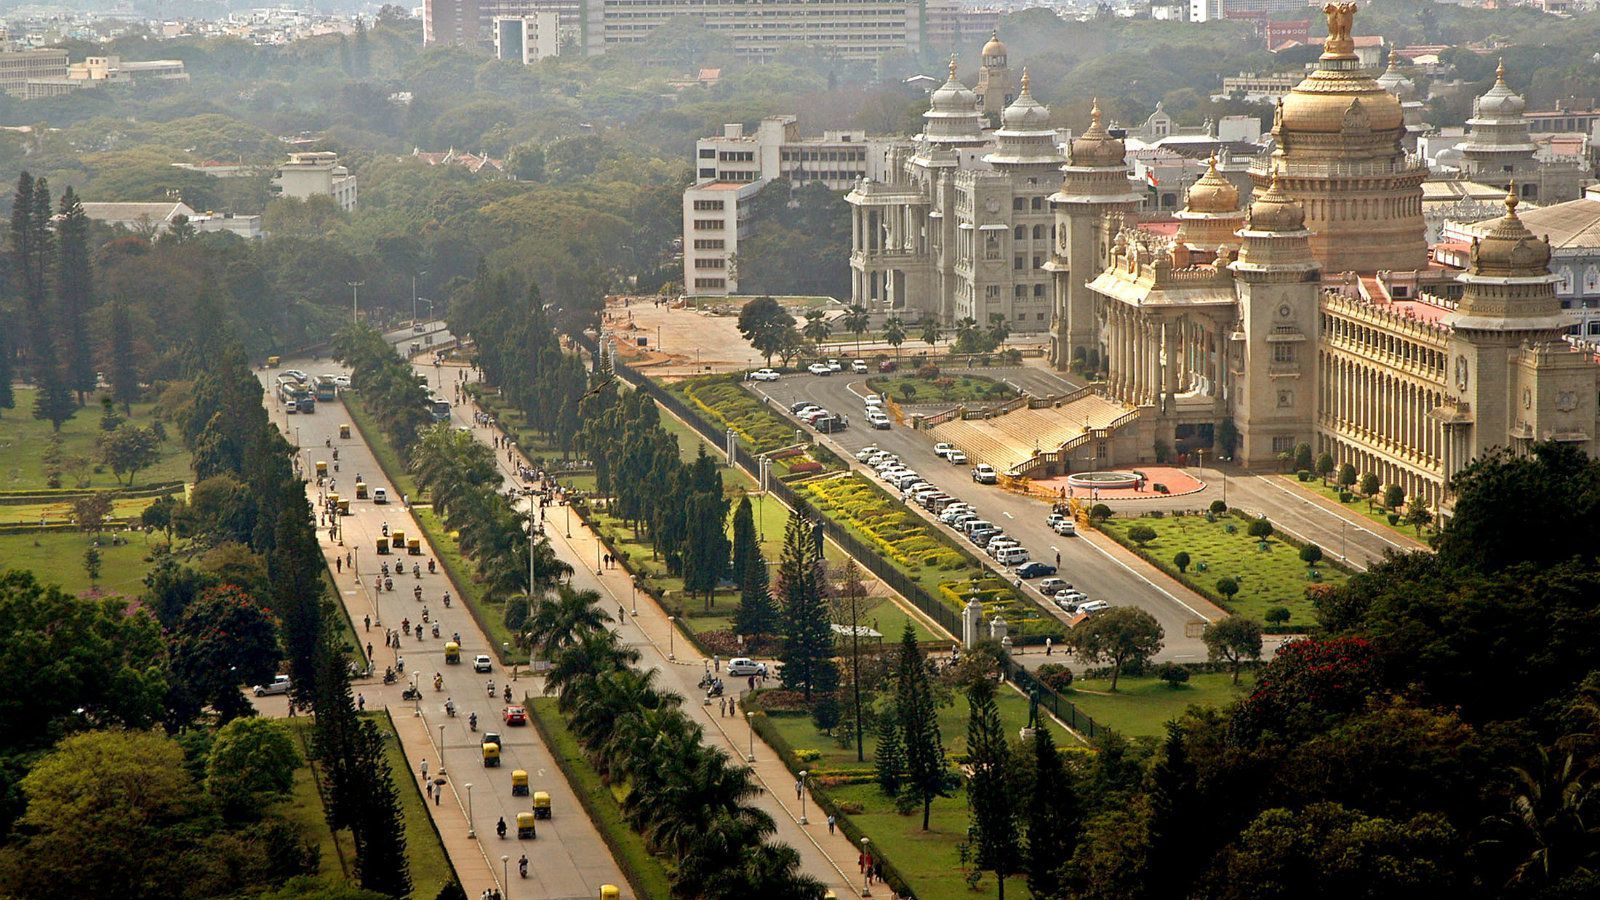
(679, 669)
(1100, 572)
(568, 859)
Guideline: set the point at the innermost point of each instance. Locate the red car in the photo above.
(888, 365)
(514, 715)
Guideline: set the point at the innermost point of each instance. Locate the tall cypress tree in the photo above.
(8, 397)
(745, 544)
(1178, 846)
(991, 801)
(1054, 817)
(124, 371)
(889, 761)
(757, 614)
(807, 655)
(33, 244)
(382, 861)
(927, 771)
(296, 567)
(75, 291)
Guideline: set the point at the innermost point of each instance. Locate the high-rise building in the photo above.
(527, 39)
(312, 174)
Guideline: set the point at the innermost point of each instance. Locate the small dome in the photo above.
(1095, 148)
(1212, 193)
(1510, 250)
(1276, 211)
(953, 96)
(1500, 102)
(995, 47)
(1025, 113)
(1395, 81)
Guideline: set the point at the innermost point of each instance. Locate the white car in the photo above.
(482, 663)
(833, 366)
(296, 373)
(1065, 528)
(280, 685)
(819, 369)
(763, 375)
(983, 473)
(380, 495)
(957, 457)
(745, 667)
(878, 420)
(942, 450)
(1093, 606)
(873, 401)
(859, 367)
(866, 453)
(342, 380)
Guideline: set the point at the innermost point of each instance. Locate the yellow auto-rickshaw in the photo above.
(344, 432)
(519, 783)
(491, 754)
(383, 546)
(414, 547)
(322, 469)
(610, 892)
(344, 507)
(397, 539)
(541, 804)
(525, 826)
(334, 499)
(452, 653)
(361, 490)
(272, 362)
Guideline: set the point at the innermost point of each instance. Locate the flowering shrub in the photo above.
(807, 467)
(723, 402)
(1309, 681)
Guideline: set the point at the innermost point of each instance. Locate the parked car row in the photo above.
(950, 453)
(819, 418)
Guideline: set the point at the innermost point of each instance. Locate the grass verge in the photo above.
(430, 865)
(1141, 707)
(23, 440)
(942, 389)
(645, 873)
(725, 404)
(489, 613)
(1358, 504)
(386, 453)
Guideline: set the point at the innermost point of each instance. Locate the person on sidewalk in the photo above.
(830, 823)
(424, 770)
(361, 703)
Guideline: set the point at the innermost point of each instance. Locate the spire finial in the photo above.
(1511, 200)
(1500, 71)
(1211, 164)
(952, 67)
(1024, 79)
(1394, 58)
(1094, 113)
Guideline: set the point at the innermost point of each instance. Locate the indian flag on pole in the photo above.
(1150, 180)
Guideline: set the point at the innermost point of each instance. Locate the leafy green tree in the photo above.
(765, 324)
(1369, 486)
(817, 327)
(757, 614)
(1227, 586)
(807, 656)
(1260, 528)
(1311, 554)
(991, 790)
(1347, 476)
(1177, 816)
(91, 564)
(889, 761)
(927, 773)
(1303, 459)
(91, 511)
(894, 334)
(1326, 851)
(1393, 496)
(1325, 466)
(128, 449)
(968, 335)
(1227, 437)
(1233, 640)
(1118, 636)
(930, 331)
(224, 640)
(1141, 534)
(1181, 559)
(1418, 516)
(124, 370)
(559, 622)
(1277, 615)
(252, 761)
(998, 330)
(75, 293)
(1054, 817)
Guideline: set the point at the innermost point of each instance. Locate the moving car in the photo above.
(859, 367)
(279, 685)
(514, 715)
(957, 457)
(380, 495)
(833, 366)
(342, 380)
(867, 452)
(942, 450)
(819, 369)
(763, 375)
(744, 666)
(872, 401)
(878, 420)
(1065, 527)
(983, 473)
(1035, 569)
(482, 663)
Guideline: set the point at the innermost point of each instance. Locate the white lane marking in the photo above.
(1348, 523)
(1006, 514)
(1142, 577)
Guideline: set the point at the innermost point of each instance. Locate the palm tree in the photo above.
(1547, 822)
(855, 321)
(817, 328)
(930, 330)
(998, 329)
(966, 334)
(594, 654)
(894, 333)
(559, 623)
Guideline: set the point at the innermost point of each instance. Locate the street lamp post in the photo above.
(866, 888)
(672, 631)
(416, 695)
(441, 749)
(505, 872)
(750, 719)
(801, 784)
(414, 296)
(633, 583)
(354, 303)
(568, 508)
(471, 831)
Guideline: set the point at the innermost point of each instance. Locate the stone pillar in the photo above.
(998, 629)
(971, 622)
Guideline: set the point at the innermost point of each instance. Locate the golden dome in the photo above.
(1275, 210)
(1340, 94)
(995, 47)
(1095, 148)
(1212, 193)
(1510, 250)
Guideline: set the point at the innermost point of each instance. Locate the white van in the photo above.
(1012, 556)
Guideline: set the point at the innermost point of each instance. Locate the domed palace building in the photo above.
(1316, 314)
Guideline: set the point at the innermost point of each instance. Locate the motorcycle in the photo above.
(411, 693)
(450, 708)
(416, 593)
(416, 571)
(508, 693)
(715, 690)
(388, 675)
(491, 689)
(436, 629)
(472, 721)
(522, 866)
(446, 599)
(388, 584)
(438, 682)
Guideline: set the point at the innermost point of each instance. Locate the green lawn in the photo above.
(644, 872)
(1373, 512)
(945, 388)
(430, 867)
(123, 509)
(1271, 577)
(57, 558)
(1142, 706)
(23, 440)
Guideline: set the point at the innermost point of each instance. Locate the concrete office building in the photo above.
(527, 39)
(18, 67)
(311, 174)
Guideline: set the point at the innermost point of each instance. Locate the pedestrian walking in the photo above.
(830, 823)
(716, 663)
(424, 770)
(799, 788)
(338, 565)
(361, 703)
(369, 650)
(861, 862)
(366, 622)
(1049, 646)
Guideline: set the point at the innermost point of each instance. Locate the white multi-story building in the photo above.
(527, 39)
(310, 174)
(730, 168)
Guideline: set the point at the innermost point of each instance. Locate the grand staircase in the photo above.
(1024, 440)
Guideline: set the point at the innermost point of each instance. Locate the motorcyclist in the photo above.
(436, 629)
(446, 599)
(430, 567)
(384, 569)
(522, 866)
(450, 707)
(508, 693)
(416, 570)
(491, 687)
(500, 828)
(472, 721)
(417, 593)
(419, 631)
(400, 664)
(386, 534)
(438, 682)
(388, 674)
(424, 612)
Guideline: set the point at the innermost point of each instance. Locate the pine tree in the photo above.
(381, 861)
(927, 772)
(745, 544)
(1054, 817)
(75, 291)
(8, 399)
(807, 655)
(991, 801)
(890, 760)
(1177, 850)
(757, 614)
(296, 569)
(124, 372)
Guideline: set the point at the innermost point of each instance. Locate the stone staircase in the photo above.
(1016, 441)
